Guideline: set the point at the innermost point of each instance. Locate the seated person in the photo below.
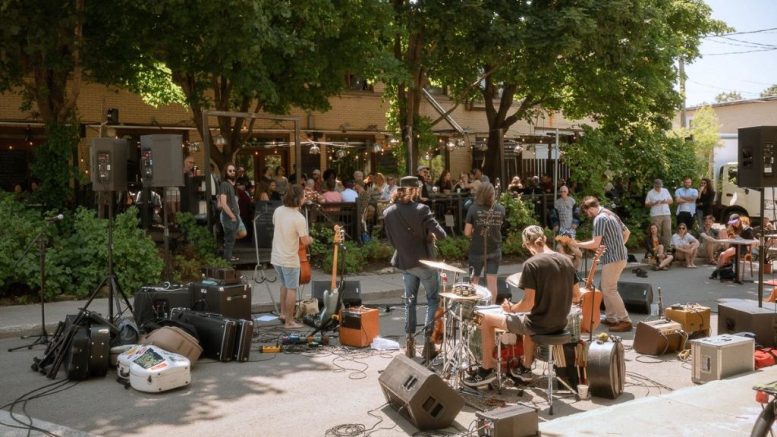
(549, 282)
(708, 234)
(655, 250)
(685, 245)
(737, 228)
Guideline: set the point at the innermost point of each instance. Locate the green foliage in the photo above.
(53, 167)
(77, 254)
(352, 258)
(453, 248)
(519, 214)
(728, 96)
(195, 249)
(377, 251)
(512, 244)
(705, 134)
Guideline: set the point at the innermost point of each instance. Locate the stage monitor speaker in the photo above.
(743, 315)
(757, 153)
(350, 290)
(108, 158)
(637, 296)
(161, 160)
(419, 395)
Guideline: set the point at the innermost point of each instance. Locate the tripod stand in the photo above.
(110, 279)
(43, 337)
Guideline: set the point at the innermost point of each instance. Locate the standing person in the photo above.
(610, 231)
(549, 282)
(658, 200)
(230, 212)
(565, 211)
(484, 228)
(290, 231)
(408, 225)
(685, 197)
(281, 182)
(705, 202)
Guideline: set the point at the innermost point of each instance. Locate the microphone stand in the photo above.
(43, 337)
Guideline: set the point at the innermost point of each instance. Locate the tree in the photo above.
(262, 55)
(730, 96)
(705, 132)
(771, 91)
(549, 56)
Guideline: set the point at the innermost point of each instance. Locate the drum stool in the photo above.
(551, 340)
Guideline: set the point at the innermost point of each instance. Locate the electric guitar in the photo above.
(591, 298)
(330, 297)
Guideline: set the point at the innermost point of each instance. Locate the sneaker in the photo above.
(521, 373)
(481, 378)
(622, 326)
(410, 346)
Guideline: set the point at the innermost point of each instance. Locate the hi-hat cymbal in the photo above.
(514, 279)
(439, 265)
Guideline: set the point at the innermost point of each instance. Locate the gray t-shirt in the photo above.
(485, 220)
(226, 188)
(552, 276)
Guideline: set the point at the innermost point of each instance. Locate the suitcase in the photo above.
(156, 302)
(659, 337)
(359, 326)
(77, 357)
(694, 318)
(151, 369)
(216, 332)
(222, 275)
(244, 337)
(99, 349)
(228, 300)
(176, 340)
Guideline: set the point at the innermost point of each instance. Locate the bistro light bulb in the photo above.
(315, 150)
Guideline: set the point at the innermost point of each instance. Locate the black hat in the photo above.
(409, 181)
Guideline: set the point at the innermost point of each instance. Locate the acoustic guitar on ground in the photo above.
(591, 298)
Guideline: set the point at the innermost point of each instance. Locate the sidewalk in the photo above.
(319, 390)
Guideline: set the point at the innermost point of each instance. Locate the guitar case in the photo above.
(176, 340)
(77, 358)
(151, 369)
(606, 368)
(216, 332)
(244, 337)
(99, 349)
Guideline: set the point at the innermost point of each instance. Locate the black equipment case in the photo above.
(216, 332)
(228, 300)
(244, 336)
(155, 302)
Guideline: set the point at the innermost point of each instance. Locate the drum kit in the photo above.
(460, 302)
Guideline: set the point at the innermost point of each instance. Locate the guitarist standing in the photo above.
(291, 230)
(609, 230)
(410, 226)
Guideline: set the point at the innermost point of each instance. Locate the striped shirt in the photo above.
(610, 228)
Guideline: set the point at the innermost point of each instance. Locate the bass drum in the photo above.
(606, 368)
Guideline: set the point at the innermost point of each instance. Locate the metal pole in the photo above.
(208, 193)
(761, 254)
(555, 167)
(298, 152)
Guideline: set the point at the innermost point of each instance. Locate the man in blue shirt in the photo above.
(685, 197)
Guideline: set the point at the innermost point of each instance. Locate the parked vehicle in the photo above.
(730, 198)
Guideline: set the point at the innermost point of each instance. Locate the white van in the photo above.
(730, 198)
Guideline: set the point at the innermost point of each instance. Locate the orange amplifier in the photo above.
(694, 318)
(358, 326)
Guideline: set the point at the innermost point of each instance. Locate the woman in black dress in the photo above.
(705, 202)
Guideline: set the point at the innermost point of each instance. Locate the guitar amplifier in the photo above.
(742, 315)
(721, 356)
(659, 337)
(510, 421)
(694, 318)
(228, 300)
(153, 302)
(359, 326)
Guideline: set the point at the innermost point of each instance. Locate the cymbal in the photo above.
(514, 279)
(455, 296)
(439, 265)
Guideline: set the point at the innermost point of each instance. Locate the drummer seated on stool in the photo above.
(549, 282)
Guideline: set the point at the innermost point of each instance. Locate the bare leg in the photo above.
(289, 302)
(491, 283)
(666, 262)
(489, 324)
(282, 316)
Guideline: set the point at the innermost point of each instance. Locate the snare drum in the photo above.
(468, 306)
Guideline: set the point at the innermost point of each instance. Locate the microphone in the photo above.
(56, 218)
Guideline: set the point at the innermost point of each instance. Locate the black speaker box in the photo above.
(737, 315)
(108, 157)
(419, 395)
(161, 160)
(757, 155)
(636, 296)
(350, 291)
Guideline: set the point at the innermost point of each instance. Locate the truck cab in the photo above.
(730, 198)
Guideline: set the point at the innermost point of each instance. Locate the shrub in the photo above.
(453, 248)
(196, 249)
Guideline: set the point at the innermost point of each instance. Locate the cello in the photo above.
(305, 271)
(591, 298)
